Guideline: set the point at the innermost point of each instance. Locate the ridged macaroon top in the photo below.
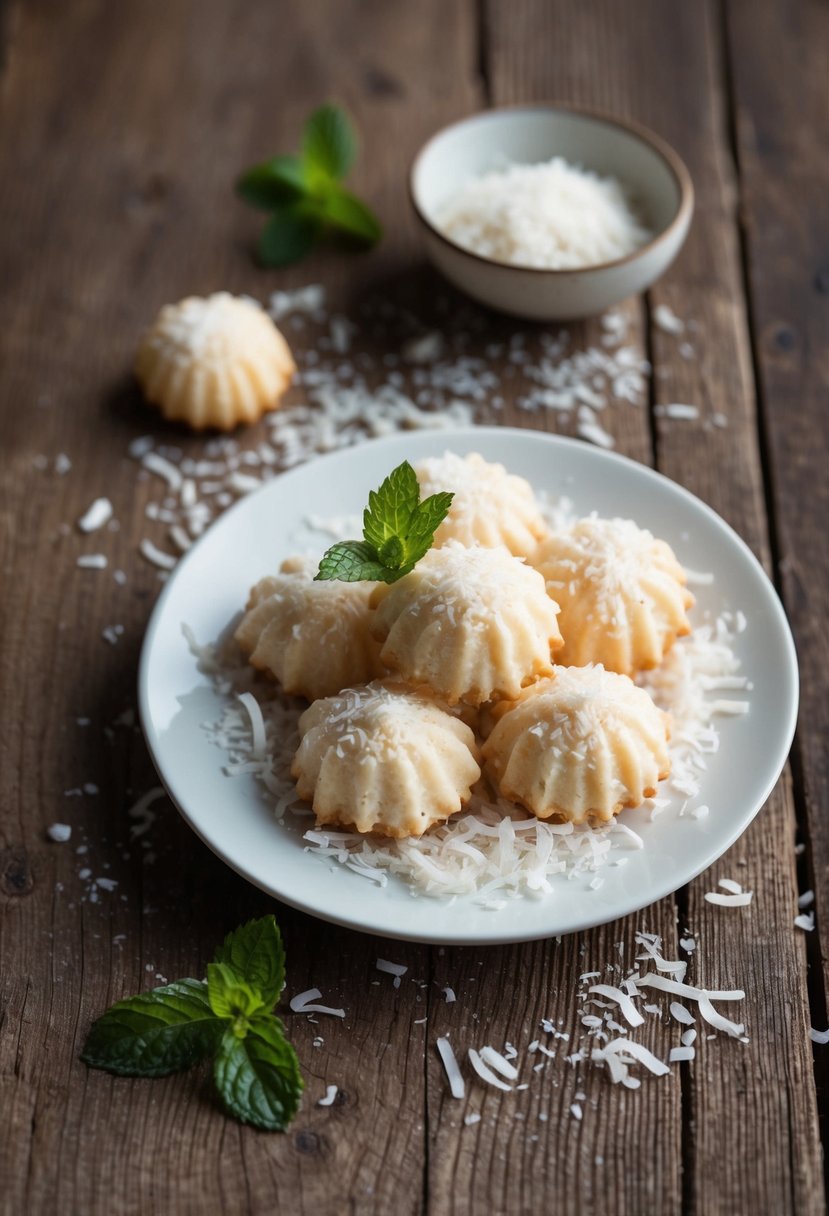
(384, 758)
(621, 592)
(214, 361)
(491, 506)
(579, 746)
(312, 637)
(473, 624)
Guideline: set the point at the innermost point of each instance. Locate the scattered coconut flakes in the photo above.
(806, 899)
(681, 1014)
(156, 556)
(688, 943)
(141, 813)
(112, 634)
(730, 885)
(652, 980)
(700, 578)
(92, 561)
(681, 1054)
(731, 708)
(652, 946)
(819, 1036)
(486, 1074)
(703, 998)
(449, 996)
(97, 514)
(688, 413)
(499, 1062)
(395, 969)
(303, 1002)
(59, 832)
(667, 321)
(62, 464)
(257, 725)
(729, 901)
(715, 1019)
(309, 299)
(805, 921)
(576, 1111)
(331, 1092)
(688, 1037)
(162, 468)
(629, 1010)
(450, 1064)
(106, 884)
(619, 1052)
(589, 428)
(472, 1118)
(425, 348)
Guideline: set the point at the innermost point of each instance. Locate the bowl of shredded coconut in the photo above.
(550, 212)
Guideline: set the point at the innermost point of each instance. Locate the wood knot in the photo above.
(785, 338)
(15, 873)
(310, 1143)
(381, 84)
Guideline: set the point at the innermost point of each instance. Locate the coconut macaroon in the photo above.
(312, 637)
(384, 758)
(579, 747)
(621, 592)
(214, 362)
(490, 506)
(474, 625)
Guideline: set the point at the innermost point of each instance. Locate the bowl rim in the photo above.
(660, 146)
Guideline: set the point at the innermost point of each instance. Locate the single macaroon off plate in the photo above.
(234, 815)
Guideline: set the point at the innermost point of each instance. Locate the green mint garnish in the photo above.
(398, 530)
(303, 193)
(228, 1016)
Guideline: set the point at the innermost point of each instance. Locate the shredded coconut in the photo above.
(96, 515)
(450, 1064)
(552, 215)
(303, 1002)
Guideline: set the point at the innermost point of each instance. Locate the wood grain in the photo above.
(148, 122)
(776, 53)
(682, 95)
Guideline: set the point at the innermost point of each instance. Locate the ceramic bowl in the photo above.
(650, 170)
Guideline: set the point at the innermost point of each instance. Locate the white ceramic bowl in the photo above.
(650, 170)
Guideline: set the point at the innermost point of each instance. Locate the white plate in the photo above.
(232, 815)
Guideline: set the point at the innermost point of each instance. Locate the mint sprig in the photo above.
(398, 530)
(303, 192)
(228, 1016)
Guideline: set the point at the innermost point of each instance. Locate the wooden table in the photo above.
(123, 127)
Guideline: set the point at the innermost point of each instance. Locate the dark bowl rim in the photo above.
(661, 147)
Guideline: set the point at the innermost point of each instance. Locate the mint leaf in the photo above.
(426, 519)
(348, 214)
(156, 1033)
(398, 530)
(391, 507)
(230, 996)
(256, 954)
(273, 183)
(258, 1077)
(289, 235)
(350, 561)
(329, 145)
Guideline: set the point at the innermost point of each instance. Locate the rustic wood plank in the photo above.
(781, 100)
(146, 123)
(663, 67)
(682, 95)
